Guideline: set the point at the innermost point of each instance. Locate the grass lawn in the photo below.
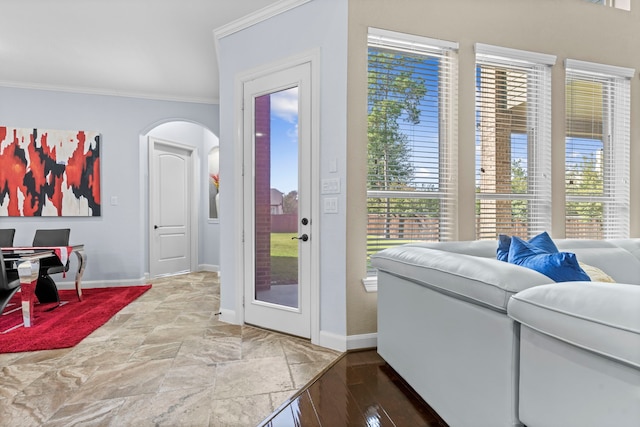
(283, 245)
(377, 243)
(284, 259)
(284, 255)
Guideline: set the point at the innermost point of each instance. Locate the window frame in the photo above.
(447, 132)
(615, 139)
(537, 67)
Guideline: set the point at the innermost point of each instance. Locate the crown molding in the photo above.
(256, 17)
(107, 92)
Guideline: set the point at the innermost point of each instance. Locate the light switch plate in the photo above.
(330, 205)
(331, 186)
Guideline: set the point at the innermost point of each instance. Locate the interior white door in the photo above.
(170, 188)
(277, 190)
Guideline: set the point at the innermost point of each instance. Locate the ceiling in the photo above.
(160, 49)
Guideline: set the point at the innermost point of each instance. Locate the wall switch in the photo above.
(114, 200)
(331, 186)
(330, 205)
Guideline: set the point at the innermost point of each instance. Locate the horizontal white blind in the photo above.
(411, 140)
(513, 143)
(597, 151)
(618, 4)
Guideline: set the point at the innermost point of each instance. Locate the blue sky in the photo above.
(284, 140)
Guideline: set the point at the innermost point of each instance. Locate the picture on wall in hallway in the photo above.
(45, 172)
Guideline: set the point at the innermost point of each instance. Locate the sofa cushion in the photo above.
(483, 281)
(600, 317)
(559, 266)
(480, 248)
(631, 245)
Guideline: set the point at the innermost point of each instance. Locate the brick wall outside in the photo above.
(263, 193)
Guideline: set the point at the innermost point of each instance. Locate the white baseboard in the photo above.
(333, 341)
(357, 342)
(228, 316)
(350, 342)
(209, 267)
(88, 284)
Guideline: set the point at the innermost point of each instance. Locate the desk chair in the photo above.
(46, 289)
(6, 241)
(6, 237)
(7, 287)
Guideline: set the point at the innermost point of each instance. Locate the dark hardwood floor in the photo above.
(360, 389)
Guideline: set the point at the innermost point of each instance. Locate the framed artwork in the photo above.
(47, 172)
(214, 183)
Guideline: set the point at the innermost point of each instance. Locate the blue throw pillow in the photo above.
(504, 242)
(542, 241)
(558, 266)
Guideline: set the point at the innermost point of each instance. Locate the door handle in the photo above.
(304, 238)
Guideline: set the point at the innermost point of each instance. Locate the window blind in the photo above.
(618, 4)
(597, 150)
(411, 156)
(513, 142)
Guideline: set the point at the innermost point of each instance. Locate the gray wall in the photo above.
(116, 242)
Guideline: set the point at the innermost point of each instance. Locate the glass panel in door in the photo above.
(276, 198)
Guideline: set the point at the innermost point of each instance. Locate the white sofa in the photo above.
(488, 343)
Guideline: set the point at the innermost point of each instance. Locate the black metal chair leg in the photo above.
(46, 290)
(5, 296)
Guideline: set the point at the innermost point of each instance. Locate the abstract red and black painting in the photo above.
(47, 172)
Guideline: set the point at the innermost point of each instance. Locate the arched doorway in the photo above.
(192, 142)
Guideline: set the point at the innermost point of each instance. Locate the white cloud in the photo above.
(293, 133)
(284, 104)
(421, 172)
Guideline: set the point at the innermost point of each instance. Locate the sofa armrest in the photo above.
(483, 281)
(600, 317)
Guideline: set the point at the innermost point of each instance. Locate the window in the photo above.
(618, 4)
(597, 150)
(411, 139)
(513, 142)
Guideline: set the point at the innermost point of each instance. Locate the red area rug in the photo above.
(64, 325)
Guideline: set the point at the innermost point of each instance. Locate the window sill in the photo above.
(370, 284)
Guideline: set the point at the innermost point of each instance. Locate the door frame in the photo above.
(193, 197)
(313, 58)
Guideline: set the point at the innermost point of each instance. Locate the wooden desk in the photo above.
(26, 260)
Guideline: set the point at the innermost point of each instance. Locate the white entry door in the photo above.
(170, 208)
(277, 198)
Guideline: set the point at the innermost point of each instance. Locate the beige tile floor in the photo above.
(164, 360)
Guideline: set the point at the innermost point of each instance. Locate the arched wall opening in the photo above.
(204, 141)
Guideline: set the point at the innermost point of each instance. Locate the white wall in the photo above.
(318, 24)
(116, 242)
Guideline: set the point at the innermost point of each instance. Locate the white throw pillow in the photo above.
(596, 274)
